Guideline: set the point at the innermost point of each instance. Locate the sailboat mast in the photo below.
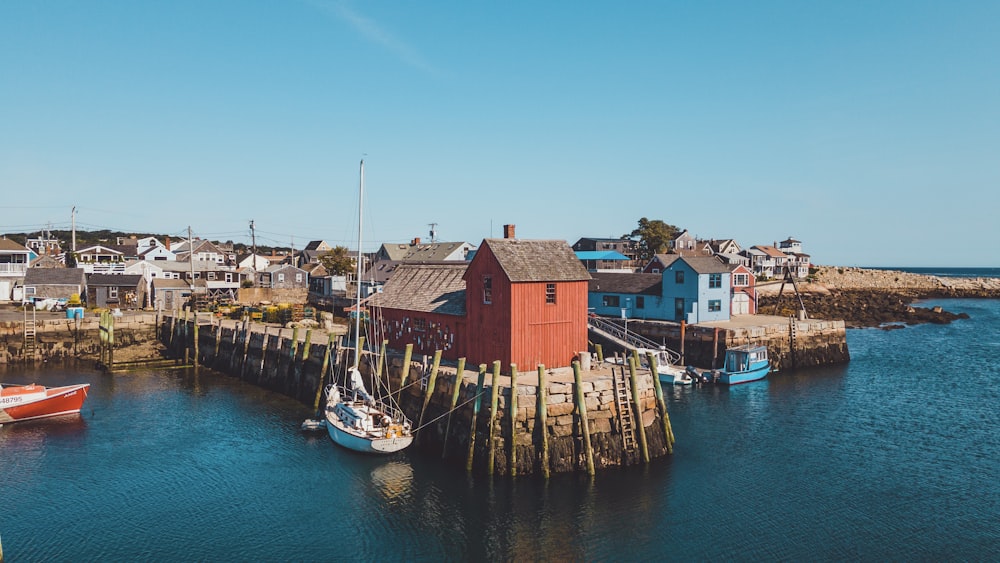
(357, 301)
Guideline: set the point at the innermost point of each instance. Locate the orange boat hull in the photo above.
(27, 402)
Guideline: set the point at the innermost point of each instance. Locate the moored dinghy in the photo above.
(743, 364)
(27, 402)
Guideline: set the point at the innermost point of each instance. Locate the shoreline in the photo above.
(869, 297)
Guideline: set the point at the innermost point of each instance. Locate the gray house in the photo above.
(283, 276)
(55, 283)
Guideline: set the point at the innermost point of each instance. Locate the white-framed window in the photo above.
(112, 293)
(741, 280)
(487, 290)
(281, 278)
(298, 278)
(714, 305)
(550, 293)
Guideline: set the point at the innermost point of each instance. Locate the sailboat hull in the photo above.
(365, 444)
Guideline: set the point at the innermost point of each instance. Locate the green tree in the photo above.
(338, 261)
(653, 237)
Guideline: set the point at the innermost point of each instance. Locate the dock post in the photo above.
(405, 371)
(542, 413)
(637, 404)
(512, 407)
(307, 346)
(683, 330)
(293, 350)
(431, 381)
(661, 403)
(581, 407)
(715, 347)
(322, 370)
(218, 342)
(494, 416)
(196, 338)
(456, 389)
(475, 414)
(246, 347)
(600, 353)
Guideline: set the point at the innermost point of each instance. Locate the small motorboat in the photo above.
(743, 364)
(28, 402)
(313, 425)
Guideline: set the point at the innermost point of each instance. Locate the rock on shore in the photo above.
(865, 297)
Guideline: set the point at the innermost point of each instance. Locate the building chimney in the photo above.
(508, 231)
(416, 240)
(167, 243)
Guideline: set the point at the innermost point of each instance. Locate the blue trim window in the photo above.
(714, 281)
(714, 305)
(611, 301)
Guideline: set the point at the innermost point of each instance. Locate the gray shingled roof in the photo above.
(426, 252)
(112, 280)
(437, 288)
(537, 260)
(616, 282)
(54, 276)
(706, 264)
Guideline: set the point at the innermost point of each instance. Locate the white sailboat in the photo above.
(354, 417)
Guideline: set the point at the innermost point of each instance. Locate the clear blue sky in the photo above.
(868, 130)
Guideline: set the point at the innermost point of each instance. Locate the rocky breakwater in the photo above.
(865, 297)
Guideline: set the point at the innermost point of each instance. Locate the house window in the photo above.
(281, 278)
(679, 276)
(550, 293)
(714, 281)
(420, 325)
(211, 276)
(655, 271)
(298, 278)
(741, 280)
(229, 278)
(487, 290)
(640, 302)
(714, 305)
(112, 293)
(611, 301)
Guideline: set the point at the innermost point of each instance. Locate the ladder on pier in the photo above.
(29, 334)
(624, 403)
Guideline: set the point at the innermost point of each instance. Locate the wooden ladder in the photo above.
(623, 400)
(29, 334)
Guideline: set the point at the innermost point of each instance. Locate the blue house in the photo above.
(690, 288)
(699, 288)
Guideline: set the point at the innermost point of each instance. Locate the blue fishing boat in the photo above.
(743, 364)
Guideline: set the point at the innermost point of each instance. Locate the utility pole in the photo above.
(73, 221)
(253, 240)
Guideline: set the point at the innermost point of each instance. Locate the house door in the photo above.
(678, 309)
(741, 304)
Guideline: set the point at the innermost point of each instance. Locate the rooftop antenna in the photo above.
(433, 232)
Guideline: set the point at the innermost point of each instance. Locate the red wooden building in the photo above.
(518, 301)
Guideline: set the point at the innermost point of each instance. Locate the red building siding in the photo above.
(518, 326)
(428, 332)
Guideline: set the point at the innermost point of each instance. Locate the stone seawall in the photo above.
(67, 339)
(293, 361)
(791, 343)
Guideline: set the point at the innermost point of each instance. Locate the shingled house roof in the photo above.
(537, 260)
(429, 288)
(113, 280)
(617, 282)
(706, 264)
(8, 244)
(54, 276)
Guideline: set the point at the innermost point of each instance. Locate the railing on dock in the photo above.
(630, 340)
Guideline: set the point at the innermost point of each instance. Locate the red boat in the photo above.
(26, 402)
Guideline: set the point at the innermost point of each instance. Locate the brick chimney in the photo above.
(416, 240)
(167, 243)
(508, 231)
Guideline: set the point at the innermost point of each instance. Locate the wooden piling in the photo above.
(661, 403)
(683, 329)
(322, 371)
(541, 414)
(246, 348)
(196, 360)
(405, 371)
(637, 407)
(581, 408)
(308, 345)
(475, 415)
(218, 342)
(432, 380)
(494, 417)
(456, 389)
(294, 348)
(600, 353)
(512, 407)
(715, 347)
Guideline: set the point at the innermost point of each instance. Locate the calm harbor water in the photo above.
(895, 456)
